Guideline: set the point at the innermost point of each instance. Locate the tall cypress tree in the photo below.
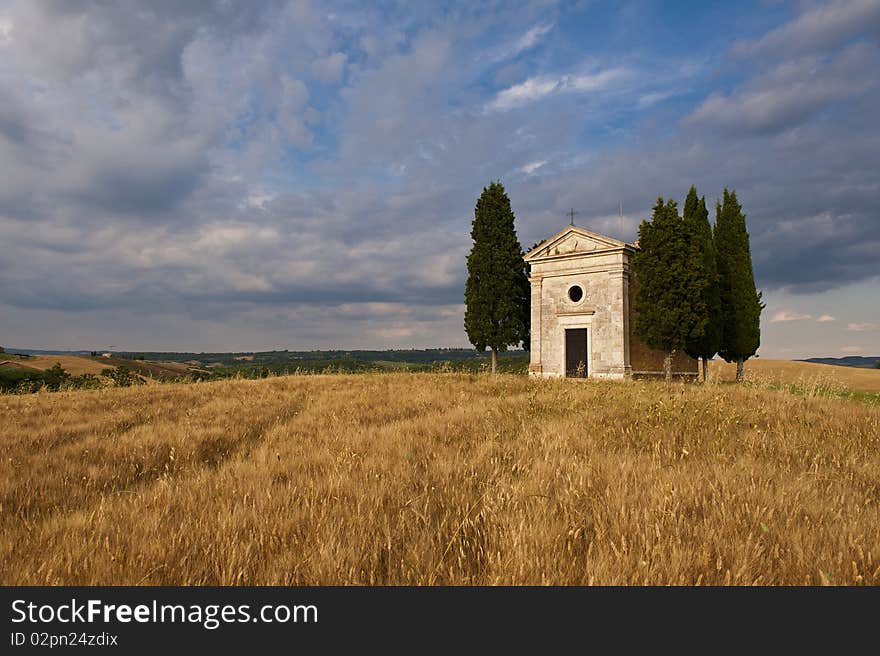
(740, 302)
(696, 220)
(669, 299)
(497, 293)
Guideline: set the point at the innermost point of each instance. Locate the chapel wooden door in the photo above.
(576, 353)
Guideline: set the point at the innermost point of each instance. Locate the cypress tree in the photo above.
(497, 292)
(740, 302)
(696, 220)
(669, 299)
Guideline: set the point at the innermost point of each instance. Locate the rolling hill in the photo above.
(849, 361)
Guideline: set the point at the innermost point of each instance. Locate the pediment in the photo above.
(573, 239)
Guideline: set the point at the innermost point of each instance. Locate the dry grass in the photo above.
(801, 374)
(438, 479)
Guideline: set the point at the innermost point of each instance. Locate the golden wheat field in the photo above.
(408, 478)
(73, 364)
(805, 375)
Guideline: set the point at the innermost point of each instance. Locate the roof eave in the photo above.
(627, 248)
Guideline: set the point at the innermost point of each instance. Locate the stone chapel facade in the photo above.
(582, 300)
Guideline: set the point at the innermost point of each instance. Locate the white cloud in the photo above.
(785, 315)
(649, 99)
(825, 318)
(850, 349)
(862, 327)
(222, 238)
(330, 68)
(538, 87)
(591, 82)
(532, 166)
(532, 89)
(789, 94)
(527, 41)
(257, 199)
(822, 26)
(530, 38)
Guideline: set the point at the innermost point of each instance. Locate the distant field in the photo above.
(804, 374)
(73, 364)
(26, 374)
(405, 478)
(149, 369)
(80, 364)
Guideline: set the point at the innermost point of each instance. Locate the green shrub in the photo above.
(121, 376)
(85, 381)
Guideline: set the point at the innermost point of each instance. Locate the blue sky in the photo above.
(243, 176)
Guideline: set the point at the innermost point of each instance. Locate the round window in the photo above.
(575, 293)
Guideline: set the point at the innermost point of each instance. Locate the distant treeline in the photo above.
(303, 359)
(510, 363)
(859, 361)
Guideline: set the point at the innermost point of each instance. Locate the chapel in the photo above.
(582, 311)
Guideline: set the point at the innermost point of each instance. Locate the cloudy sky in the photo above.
(244, 176)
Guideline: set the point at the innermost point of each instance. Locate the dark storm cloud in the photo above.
(100, 113)
(141, 42)
(124, 182)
